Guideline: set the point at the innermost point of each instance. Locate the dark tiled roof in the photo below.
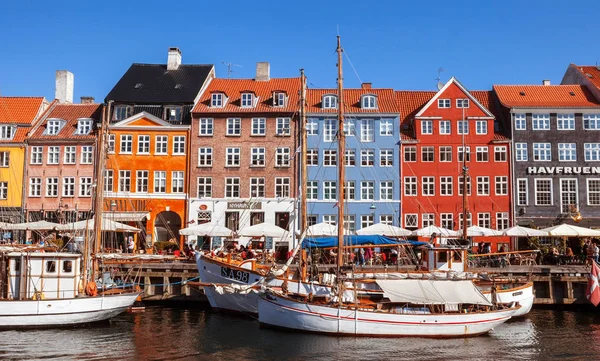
(70, 113)
(154, 84)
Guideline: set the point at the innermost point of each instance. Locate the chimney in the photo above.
(174, 59)
(263, 71)
(64, 86)
(366, 85)
(87, 100)
(545, 82)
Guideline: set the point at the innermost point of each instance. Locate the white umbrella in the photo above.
(107, 225)
(384, 230)
(519, 231)
(476, 231)
(439, 231)
(263, 230)
(33, 226)
(322, 229)
(206, 229)
(567, 230)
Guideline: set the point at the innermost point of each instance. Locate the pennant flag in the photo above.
(593, 290)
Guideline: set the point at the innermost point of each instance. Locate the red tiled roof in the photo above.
(71, 113)
(386, 102)
(20, 110)
(19, 137)
(592, 73)
(409, 102)
(545, 96)
(233, 88)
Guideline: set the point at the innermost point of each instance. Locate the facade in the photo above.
(242, 152)
(588, 75)
(556, 152)
(17, 116)
(371, 157)
(438, 130)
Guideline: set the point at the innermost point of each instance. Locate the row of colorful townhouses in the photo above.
(185, 147)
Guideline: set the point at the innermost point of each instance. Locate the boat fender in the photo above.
(38, 296)
(91, 289)
(80, 286)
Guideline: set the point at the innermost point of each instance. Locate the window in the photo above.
(257, 157)
(500, 154)
(428, 186)
(446, 186)
(521, 152)
(386, 219)
(445, 127)
(463, 126)
(179, 144)
(124, 181)
(329, 190)
(520, 122)
(36, 155)
(279, 99)
(173, 113)
(52, 128)
(369, 102)
(350, 157)
(330, 218)
(349, 129)
(540, 121)
(410, 186)
(410, 154)
(483, 186)
(216, 100)
(51, 187)
(35, 187)
(282, 187)
(350, 190)
(591, 121)
(312, 127)
(204, 187)
(427, 154)
(70, 155)
(501, 185)
(141, 181)
(67, 266)
(312, 190)
(232, 187)
(247, 100)
(50, 266)
(447, 220)
(108, 180)
(329, 102)
(567, 152)
(386, 190)
(234, 126)
(330, 130)
(126, 144)
(312, 157)
(428, 219)
(329, 158)
(568, 195)
(160, 181)
(461, 185)
(282, 157)
(68, 187)
(541, 152)
(484, 220)
(426, 127)
(283, 126)
(443, 103)
(53, 155)
(177, 181)
(111, 144)
(469, 219)
(386, 128)
(592, 151)
(522, 192)
(87, 154)
(259, 127)
(445, 154)
(543, 192)
(593, 192)
(367, 157)
(462, 103)
(206, 127)
(85, 186)
(232, 157)
(367, 190)
(481, 127)
(386, 157)
(350, 223)
(464, 152)
(366, 220)
(122, 112)
(565, 121)
(366, 130)
(482, 154)
(411, 220)
(257, 187)
(143, 144)
(84, 126)
(204, 157)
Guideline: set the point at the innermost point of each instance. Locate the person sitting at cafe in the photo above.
(554, 256)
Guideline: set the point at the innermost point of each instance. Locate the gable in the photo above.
(453, 90)
(142, 119)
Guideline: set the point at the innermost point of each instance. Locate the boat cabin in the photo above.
(444, 258)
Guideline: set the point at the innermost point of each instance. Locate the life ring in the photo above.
(91, 289)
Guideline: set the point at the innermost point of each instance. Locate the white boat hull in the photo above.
(286, 313)
(63, 312)
(522, 295)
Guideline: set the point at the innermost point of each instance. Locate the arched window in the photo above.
(329, 102)
(368, 101)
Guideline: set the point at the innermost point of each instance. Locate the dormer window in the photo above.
(122, 112)
(173, 113)
(54, 126)
(7, 132)
(247, 100)
(279, 99)
(368, 102)
(329, 102)
(217, 100)
(84, 126)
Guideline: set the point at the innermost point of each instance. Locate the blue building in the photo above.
(372, 158)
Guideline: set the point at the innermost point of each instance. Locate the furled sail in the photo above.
(418, 291)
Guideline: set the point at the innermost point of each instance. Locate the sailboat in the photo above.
(41, 287)
(427, 308)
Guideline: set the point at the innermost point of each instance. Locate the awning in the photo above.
(432, 291)
(324, 242)
(126, 216)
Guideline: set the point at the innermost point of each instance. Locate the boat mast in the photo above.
(341, 155)
(465, 172)
(303, 167)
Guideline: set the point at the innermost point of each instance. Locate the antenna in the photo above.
(440, 85)
(229, 68)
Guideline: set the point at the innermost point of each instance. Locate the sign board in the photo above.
(563, 170)
(244, 205)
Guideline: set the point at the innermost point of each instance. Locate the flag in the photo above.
(593, 289)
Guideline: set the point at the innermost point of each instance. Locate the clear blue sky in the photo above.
(398, 44)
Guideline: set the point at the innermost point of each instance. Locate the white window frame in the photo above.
(110, 146)
(87, 154)
(483, 185)
(540, 121)
(257, 157)
(445, 153)
(232, 187)
(386, 157)
(566, 208)
(126, 144)
(445, 127)
(52, 187)
(428, 186)
(539, 180)
(542, 152)
(481, 127)
(217, 100)
(447, 220)
(427, 154)
(426, 126)
(330, 101)
(565, 119)
(411, 152)
(233, 156)
(463, 103)
(177, 181)
(522, 182)
(590, 191)
(257, 187)
(205, 158)
(329, 158)
(520, 121)
(500, 152)
(444, 103)
(53, 155)
(204, 187)
(312, 190)
(482, 153)
(367, 157)
(161, 145)
(143, 144)
(329, 190)
(52, 128)
(283, 157)
(247, 100)
(312, 157)
(234, 127)
(386, 190)
(367, 130)
(160, 181)
(591, 152)
(85, 186)
(501, 185)
(206, 127)
(37, 155)
(386, 128)
(567, 152)
(427, 219)
(124, 181)
(367, 190)
(330, 130)
(521, 153)
(369, 101)
(350, 157)
(68, 187)
(446, 186)
(411, 186)
(466, 152)
(282, 187)
(141, 181)
(70, 154)
(591, 121)
(411, 220)
(283, 127)
(35, 187)
(84, 126)
(462, 127)
(179, 145)
(484, 219)
(312, 127)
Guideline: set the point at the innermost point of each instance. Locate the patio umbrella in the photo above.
(263, 230)
(32, 226)
(322, 229)
(206, 229)
(567, 230)
(384, 230)
(107, 225)
(476, 231)
(519, 231)
(439, 231)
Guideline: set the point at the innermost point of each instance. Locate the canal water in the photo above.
(199, 334)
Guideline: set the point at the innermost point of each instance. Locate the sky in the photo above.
(390, 43)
